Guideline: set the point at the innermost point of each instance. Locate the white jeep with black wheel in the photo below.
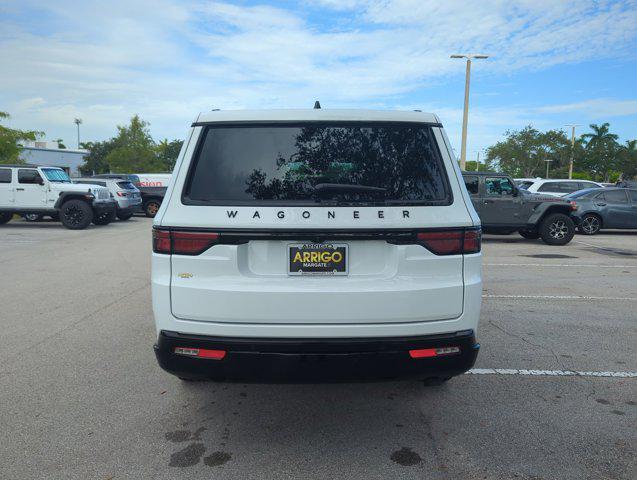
(31, 190)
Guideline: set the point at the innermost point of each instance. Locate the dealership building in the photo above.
(48, 153)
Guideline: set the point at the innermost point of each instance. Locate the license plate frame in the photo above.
(311, 268)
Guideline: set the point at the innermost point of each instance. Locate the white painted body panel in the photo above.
(244, 290)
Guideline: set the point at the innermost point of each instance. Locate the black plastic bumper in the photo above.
(104, 207)
(299, 360)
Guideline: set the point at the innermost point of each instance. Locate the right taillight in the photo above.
(451, 242)
(183, 243)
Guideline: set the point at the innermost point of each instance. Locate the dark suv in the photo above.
(504, 208)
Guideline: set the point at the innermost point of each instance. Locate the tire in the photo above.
(33, 217)
(590, 224)
(5, 217)
(151, 207)
(104, 218)
(124, 215)
(529, 234)
(435, 381)
(557, 229)
(76, 214)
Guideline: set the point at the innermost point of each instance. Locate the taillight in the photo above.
(433, 352)
(183, 243)
(200, 353)
(122, 194)
(573, 205)
(451, 242)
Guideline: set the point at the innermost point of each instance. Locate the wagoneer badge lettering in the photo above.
(331, 214)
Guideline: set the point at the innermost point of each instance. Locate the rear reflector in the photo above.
(183, 243)
(451, 242)
(200, 353)
(433, 352)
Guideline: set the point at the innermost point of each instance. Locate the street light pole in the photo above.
(547, 167)
(465, 114)
(77, 122)
(570, 164)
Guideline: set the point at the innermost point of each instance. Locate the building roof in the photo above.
(315, 115)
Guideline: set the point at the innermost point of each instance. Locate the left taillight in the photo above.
(451, 242)
(183, 243)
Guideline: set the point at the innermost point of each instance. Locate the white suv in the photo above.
(557, 187)
(32, 189)
(316, 245)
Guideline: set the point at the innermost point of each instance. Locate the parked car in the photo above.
(152, 196)
(504, 208)
(305, 245)
(559, 187)
(42, 190)
(611, 208)
(525, 183)
(126, 195)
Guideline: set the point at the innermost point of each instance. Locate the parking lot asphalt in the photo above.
(81, 396)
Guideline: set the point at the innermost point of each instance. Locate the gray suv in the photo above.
(126, 194)
(504, 208)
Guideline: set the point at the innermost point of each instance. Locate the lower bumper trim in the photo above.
(298, 360)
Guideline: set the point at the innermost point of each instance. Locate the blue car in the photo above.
(604, 208)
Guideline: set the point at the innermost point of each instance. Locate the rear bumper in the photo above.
(104, 206)
(308, 360)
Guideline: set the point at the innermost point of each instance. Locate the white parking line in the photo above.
(561, 297)
(548, 373)
(560, 265)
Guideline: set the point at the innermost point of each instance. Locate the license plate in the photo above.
(317, 259)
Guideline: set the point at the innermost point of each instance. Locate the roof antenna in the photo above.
(317, 105)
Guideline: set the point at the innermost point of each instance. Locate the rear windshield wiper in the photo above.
(346, 188)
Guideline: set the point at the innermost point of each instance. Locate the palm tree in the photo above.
(601, 150)
(600, 137)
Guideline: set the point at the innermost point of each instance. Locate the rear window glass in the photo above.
(126, 185)
(5, 175)
(318, 164)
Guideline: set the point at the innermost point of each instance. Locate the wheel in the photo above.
(557, 229)
(5, 217)
(76, 214)
(591, 224)
(33, 217)
(151, 207)
(124, 215)
(435, 381)
(104, 218)
(530, 234)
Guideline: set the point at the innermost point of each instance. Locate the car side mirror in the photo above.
(40, 181)
(516, 192)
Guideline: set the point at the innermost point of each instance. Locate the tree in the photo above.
(602, 152)
(10, 140)
(524, 153)
(628, 159)
(134, 149)
(60, 143)
(168, 152)
(95, 161)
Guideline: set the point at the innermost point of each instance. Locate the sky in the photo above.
(551, 62)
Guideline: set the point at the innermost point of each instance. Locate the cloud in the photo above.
(167, 60)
